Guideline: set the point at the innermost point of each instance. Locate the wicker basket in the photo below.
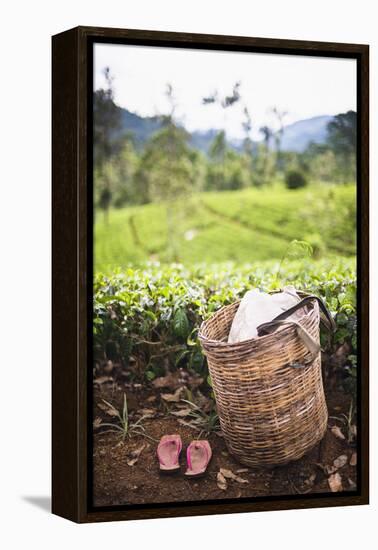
(268, 390)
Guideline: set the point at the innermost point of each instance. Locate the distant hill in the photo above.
(142, 128)
(296, 136)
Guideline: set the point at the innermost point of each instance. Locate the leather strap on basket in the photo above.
(325, 316)
(312, 345)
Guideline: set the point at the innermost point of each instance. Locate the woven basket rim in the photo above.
(283, 330)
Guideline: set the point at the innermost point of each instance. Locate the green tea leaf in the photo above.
(181, 324)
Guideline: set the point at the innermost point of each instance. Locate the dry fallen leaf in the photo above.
(340, 461)
(97, 422)
(108, 409)
(221, 481)
(151, 399)
(241, 480)
(102, 379)
(310, 480)
(230, 475)
(134, 455)
(182, 412)
(337, 432)
(242, 470)
(172, 397)
(169, 381)
(335, 483)
(353, 459)
(195, 381)
(147, 413)
(227, 473)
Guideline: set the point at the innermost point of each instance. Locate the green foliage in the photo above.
(106, 116)
(219, 146)
(232, 172)
(241, 226)
(154, 313)
(297, 250)
(166, 174)
(166, 164)
(322, 164)
(107, 121)
(124, 428)
(342, 133)
(180, 324)
(334, 160)
(315, 240)
(122, 175)
(295, 179)
(205, 423)
(342, 139)
(105, 198)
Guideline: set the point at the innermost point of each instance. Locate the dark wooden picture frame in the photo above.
(72, 59)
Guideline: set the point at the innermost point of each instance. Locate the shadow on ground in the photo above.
(41, 502)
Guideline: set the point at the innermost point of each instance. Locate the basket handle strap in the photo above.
(312, 345)
(325, 316)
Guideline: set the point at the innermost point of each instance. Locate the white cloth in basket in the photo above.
(258, 307)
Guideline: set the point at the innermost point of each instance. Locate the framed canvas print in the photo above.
(210, 274)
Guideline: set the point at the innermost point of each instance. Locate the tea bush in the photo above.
(295, 179)
(151, 316)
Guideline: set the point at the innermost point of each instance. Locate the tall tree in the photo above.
(166, 171)
(247, 128)
(248, 145)
(342, 138)
(278, 135)
(219, 146)
(107, 122)
(267, 134)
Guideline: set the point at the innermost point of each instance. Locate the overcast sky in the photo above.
(302, 86)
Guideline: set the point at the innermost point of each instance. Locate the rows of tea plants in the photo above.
(148, 318)
(325, 214)
(241, 226)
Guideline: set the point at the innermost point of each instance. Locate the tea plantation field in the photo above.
(138, 309)
(239, 226)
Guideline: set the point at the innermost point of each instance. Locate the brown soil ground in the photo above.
(120, 479)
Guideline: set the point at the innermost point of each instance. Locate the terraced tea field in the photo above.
(241, 226)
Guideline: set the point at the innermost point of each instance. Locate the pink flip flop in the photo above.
(198, 456)
(168, 453)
